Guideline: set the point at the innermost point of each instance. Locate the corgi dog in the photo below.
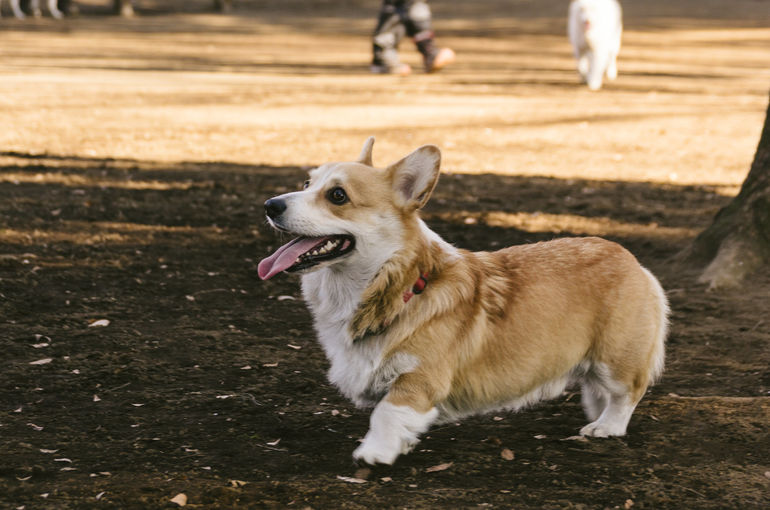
(425, 332)
(595, 28)
(35, 7)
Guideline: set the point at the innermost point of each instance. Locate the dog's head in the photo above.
(351, 213)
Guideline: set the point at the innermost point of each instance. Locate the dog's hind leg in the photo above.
(594, 400)
(34, 7)
(583, 65)
(612, 67)
(607, 402)
(54, 9)
(16, 8)
(614, 419)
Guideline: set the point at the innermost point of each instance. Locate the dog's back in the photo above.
(547, 314)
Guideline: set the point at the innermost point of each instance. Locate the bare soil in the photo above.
(136, 155)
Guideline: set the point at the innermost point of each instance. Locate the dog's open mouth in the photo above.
(305, 252)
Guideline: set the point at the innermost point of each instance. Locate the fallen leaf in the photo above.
(100, 495)
(498, 418)
(439, 467)
(286, 298)
(43, 450)
(63, 460)
(35, 427)
(237, 483)
(223, 397)
(101, 323)
(350, 480)
(96, 398)
(40, 346)
(295, 347)
(273, 443)
(507, 454)
(582, 439)
(363, 473)
(43, 361)
(628, 504)
(270, 365)
(137, 405)
(68, 469)
(24, 478)
(180, 499)
(540, 436)
(386, 479)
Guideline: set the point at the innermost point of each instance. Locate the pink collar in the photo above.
(417, 288)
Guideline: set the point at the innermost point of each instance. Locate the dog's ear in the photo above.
(366, 153)
(414, 177)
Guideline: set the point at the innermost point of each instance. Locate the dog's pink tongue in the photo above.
(285, 256)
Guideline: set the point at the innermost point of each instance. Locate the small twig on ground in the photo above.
(253, 400)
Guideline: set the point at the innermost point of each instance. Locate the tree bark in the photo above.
(738, 241)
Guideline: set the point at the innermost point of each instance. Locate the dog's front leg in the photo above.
(393, 430)
(397, 422)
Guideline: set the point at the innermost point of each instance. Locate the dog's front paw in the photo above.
(372, 453)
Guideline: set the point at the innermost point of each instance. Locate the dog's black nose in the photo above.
(274, 207)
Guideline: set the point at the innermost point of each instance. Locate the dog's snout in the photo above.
(274, 207)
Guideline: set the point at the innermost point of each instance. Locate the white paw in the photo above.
(599, 429)
(376, 452)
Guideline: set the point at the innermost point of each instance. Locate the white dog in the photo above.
(426, 332)
(35, 6)
(595, 28)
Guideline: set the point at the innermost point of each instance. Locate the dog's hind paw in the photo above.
(599, 429)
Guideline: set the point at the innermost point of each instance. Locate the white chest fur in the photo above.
(358, 369)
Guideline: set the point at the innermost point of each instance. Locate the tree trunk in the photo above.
(738, 241)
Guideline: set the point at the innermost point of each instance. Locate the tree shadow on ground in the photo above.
(206, 377)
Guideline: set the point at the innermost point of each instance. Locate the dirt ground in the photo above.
(135, 156)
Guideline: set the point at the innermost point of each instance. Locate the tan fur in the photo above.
(491, 330)
(494, 326)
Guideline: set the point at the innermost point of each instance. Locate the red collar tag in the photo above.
(417, 288)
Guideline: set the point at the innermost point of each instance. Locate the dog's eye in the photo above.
(305, 184)
(337, 196)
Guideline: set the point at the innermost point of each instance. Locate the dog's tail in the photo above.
(663, 310)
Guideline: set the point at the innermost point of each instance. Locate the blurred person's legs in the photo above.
(413, 19)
